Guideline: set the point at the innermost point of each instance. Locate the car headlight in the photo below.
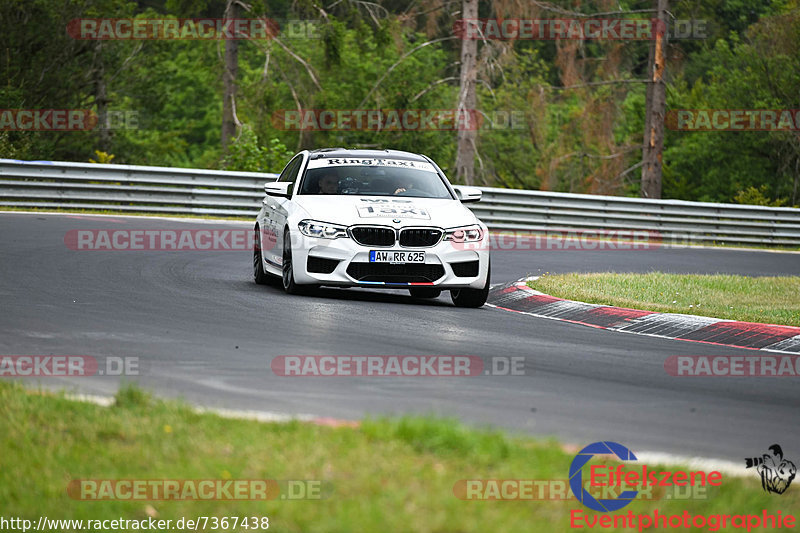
(464, 234)
(322, 230)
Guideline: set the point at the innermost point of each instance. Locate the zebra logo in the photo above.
(776, 472)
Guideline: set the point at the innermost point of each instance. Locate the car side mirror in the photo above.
(468, 194)
(278, 188)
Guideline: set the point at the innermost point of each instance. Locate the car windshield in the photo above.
(375, 180)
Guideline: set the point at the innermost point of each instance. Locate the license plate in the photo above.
(398, 258)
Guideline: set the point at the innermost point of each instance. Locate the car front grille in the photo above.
(420, 237)
(373, 235)
(389, 273)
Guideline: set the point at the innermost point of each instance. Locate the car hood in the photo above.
(385, 210)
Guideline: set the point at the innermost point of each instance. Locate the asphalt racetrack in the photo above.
(203, 331)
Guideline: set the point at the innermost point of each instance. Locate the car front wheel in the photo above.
(260, 277)
(471, 297)
(289, 285)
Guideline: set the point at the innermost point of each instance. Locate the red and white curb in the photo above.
(520, 298)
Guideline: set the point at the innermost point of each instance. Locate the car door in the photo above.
(278, 208)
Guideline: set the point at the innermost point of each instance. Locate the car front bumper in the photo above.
(447, 265)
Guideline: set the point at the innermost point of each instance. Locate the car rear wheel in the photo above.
(472, 297)
(424, 292)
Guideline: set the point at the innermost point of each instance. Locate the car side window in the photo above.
(289, 174)
(286, 171)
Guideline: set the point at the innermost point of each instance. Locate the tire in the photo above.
(424, 292)
(472, 297)
(289, 285)
(259, 276)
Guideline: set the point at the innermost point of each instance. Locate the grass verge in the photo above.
(770, 300)
(386, 475)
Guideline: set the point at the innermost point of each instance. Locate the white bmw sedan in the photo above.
(371, 218)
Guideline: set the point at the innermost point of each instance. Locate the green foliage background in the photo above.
(581, 129)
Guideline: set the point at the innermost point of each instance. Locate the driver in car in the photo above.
(328, 184)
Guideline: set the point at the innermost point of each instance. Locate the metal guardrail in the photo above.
(50, 184)
(673, 221)
(141, 189)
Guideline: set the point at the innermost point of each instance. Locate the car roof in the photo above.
(367, 154)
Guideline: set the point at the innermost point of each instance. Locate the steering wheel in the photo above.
(349, 185)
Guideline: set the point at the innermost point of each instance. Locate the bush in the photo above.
(245, 154)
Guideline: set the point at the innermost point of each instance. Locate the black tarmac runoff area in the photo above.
(202, 330)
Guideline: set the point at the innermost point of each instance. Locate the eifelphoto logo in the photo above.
(396, 366)
(776, 472)
(616, 476)
(603, 505)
